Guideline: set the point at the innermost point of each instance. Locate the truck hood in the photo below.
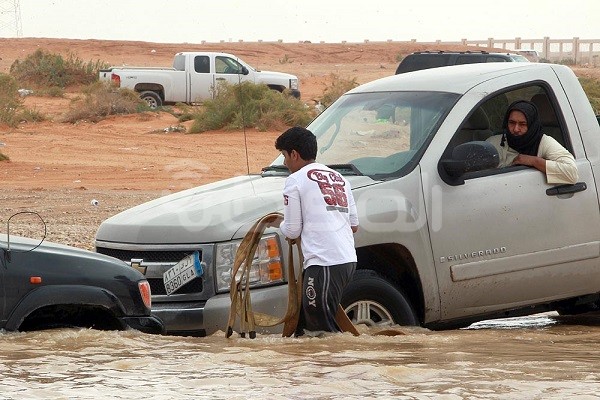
(205, 214)
(270, 76)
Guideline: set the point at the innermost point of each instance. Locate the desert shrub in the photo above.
(567, 61)
(591, 87)
(10, 101)
(250, 106)
(53, 91)
(285, 60)
(31, 115)
(45, 69)
(338, 87)
(399, 57)
(3, 157)
(184, 112)
(102, 99)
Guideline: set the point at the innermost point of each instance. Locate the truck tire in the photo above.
(371, 300)
(152, 98)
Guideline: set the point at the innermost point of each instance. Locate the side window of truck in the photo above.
(548, 112)
(469, 59)
(486, 120)
(226, 65)
(202, 64)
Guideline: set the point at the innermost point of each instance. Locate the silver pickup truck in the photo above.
(194, 77)
(445, 238)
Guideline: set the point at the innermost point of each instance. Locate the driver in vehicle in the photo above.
(522, 142)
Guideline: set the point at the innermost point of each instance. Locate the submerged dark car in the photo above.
(48, 285)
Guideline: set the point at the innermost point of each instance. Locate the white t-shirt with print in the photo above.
(319, 207)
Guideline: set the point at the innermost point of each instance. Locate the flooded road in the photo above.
(537, 357)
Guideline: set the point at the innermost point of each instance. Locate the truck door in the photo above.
(502, 240)
(228, 70)
(200, 79)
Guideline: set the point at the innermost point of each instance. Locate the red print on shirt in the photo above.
(332, 186)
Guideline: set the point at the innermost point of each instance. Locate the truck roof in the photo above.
(208, 53)
(454, 79)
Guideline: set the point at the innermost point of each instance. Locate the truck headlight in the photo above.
(294, 84)
(266, 266)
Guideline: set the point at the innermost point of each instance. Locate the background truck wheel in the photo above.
(152, 98)
(371, 300)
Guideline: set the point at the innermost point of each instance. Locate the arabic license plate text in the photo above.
(184, 271)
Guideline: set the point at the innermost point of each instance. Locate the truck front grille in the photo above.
(171, 256)
(168, 257)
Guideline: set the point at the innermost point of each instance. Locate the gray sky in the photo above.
(180, 21)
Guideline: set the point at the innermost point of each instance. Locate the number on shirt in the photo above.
(331, 185)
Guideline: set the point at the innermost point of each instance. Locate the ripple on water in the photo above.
(535, 358)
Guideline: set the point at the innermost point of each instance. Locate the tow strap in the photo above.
(239, 290)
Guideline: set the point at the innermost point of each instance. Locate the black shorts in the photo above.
(322, 291)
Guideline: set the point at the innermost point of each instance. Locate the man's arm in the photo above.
(556, 162)
(532, 161)
(291, 227)
(353, 213)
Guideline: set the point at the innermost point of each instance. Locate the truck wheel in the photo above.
(152, 98)
(371, 300)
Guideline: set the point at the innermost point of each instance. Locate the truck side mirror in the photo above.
(245, 70)
(470, 157)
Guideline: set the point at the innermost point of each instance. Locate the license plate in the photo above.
(184, 271)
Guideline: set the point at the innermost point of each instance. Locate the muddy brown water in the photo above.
(536, 357)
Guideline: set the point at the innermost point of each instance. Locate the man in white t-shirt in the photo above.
(319, 208)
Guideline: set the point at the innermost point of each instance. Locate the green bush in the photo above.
(45, 69)
(102, 99)
(285, 60)
(567, 61)
(248, 105)
(591, 87)
(338, 87)
(30, 115)
(53, 91)
(10, 101)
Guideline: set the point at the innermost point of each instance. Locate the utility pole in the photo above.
(10, 19)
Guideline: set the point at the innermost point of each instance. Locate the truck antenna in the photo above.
(241, 100)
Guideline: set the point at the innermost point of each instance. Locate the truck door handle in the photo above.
(220, 79)
(565, 189)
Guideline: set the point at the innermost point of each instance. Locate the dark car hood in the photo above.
(68, 254)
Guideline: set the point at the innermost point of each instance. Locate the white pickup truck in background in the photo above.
(194, 77)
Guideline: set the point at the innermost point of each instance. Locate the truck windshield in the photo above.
(382, 135)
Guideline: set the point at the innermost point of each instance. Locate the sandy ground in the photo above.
(57, 169)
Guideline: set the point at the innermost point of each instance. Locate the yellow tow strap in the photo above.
(239, 292)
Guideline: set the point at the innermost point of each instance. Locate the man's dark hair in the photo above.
(300, 139)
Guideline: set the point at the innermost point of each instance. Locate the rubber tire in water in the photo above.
(372, 300)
